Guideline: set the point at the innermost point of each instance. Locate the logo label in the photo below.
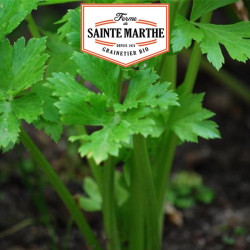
(125, 34)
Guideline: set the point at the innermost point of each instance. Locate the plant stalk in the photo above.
(32, 26)
(194, 63)
(147, 187)
(136, 237)
(109, 205)
(168, 63)
(169, 70)
(168, 73)
(171, 142)
(225, 78)
(61, 190)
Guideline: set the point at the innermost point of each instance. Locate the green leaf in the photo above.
(105, 80)
(20, 68)
(54, 130)
(121, 193)
(62, 84)
(239, 230)
(6, 52)
(50, 119)
(93, 201)
(12, 13)
(229, 241)
(190, 120)
(184, 202)
(92, 190)
(234, 37)
(28, 107)
(141, 122)
(9, 125)
(116, 131)
(156, 95)
(61, 52)
(205, 195)
(74, 35)
(184, 33)
(50, 112)
(188, 179)
(139, 84)
(89, 110)
(104, 142)
(77, 104)
(202, 7)
(89, 205)
(170, 196)
(71, 27)
(183, 191)
(144, 91)
(80, 106)
(66, 25)
(114, 134)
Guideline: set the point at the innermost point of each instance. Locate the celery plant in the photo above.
(142, 132)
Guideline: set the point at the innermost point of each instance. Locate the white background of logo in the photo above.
(91, 14)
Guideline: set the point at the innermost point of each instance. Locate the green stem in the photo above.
(168, 63)
(194, 63)
(142, 164)
(184, 7)
(168, 73)
(136, 237)
(61, 190)
(166, 158)
(170, 144)
(169, 70)
(96, 171)
(174, 5)
(109, 205)
(193, 68)
(32, 27)
(224, 77)
(108, 192)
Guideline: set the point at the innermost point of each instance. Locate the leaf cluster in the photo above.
(145, 103)
(234, 37)
(187, 188)
(92, 201)
(148, 108)
(20, 68)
